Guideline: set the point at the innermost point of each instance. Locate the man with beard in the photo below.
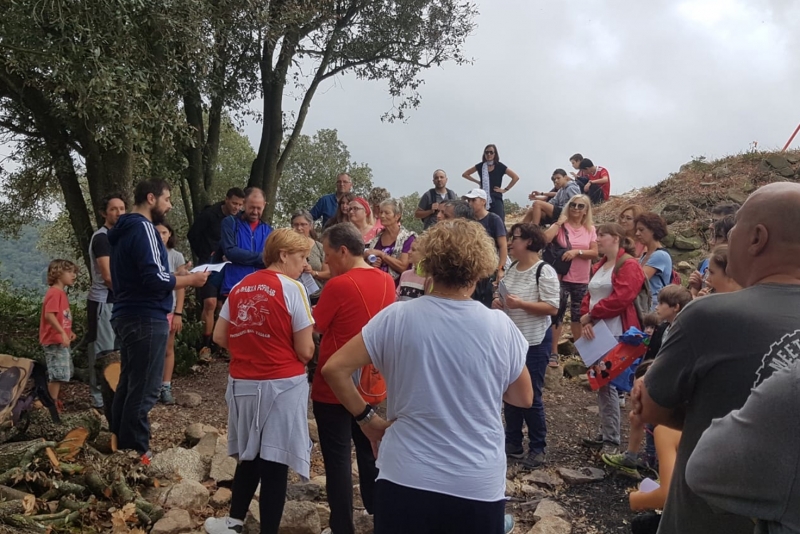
(142, 286)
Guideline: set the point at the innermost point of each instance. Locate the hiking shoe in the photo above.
(515, 451)
(595, 442)
(622, 462)
(223, 525)
(621, 399)
(204, 356)
(609, 448)
(553, 360)
(508, 524)
(166, 395)
(146, 457)
(533, 460)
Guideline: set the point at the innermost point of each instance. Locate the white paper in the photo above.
(211, 267)
(309, 283)
(648, 485)
(593, 350)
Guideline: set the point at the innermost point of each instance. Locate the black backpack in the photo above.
(553, 252)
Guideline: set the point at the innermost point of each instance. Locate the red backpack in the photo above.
(368, 380)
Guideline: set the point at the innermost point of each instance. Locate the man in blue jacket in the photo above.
(142, 286)
(327, 205)
(243, 239)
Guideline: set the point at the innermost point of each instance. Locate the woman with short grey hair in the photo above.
(393, 244)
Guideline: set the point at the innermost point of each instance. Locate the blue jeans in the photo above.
(536, 362)
(143, 344)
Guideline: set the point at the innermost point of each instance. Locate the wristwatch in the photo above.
(580, 253)
(364, 417)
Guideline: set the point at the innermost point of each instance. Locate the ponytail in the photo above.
(628, 246)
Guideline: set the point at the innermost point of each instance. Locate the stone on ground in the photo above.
(186, 494)
(573, 368)
(313, 432)
(551, 525)
(300, 518)
(222, 466)
(324, 515)
(189, 399)
(207, 446)
(173, 522)
(552, 377)
(221, 498)
(363, 522)
(549, 508)
(544, 479)
(196, 431)
(185, 463)
(303, 492)
(584, 475)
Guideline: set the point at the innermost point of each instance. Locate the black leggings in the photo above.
(273, 478)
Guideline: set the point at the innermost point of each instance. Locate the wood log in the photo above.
(25, 524)
(11, 507)
(11, 494)
(20, 454)
(97, 485)
(39, 424)
(121, 489)
(108, 369)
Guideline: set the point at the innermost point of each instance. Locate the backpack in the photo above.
(553, 251)
(675, 276)
(450, 195)
(368, 380)
(644, 299)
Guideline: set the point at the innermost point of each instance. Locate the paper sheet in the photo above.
(309, 283)
(211, 267)
(593, 350)
(648, 485)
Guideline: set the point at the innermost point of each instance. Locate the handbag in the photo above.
(553, 252)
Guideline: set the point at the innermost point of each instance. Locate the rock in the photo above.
(593, 409)
(669, 240)
(186, 463)
(551, 525)
(300, 518)
(189, 399)
(364, 523)
(195, 432)
(776, 161)
(313, 433)
(573, 368)
(567, 347)
(354, 469)
(786, 172)
(685, 267)
(691, 256)
(734, 195)
(687, 243)
(155, 426)
(549, 508)
(173, 522)
(792, 158)
(320, 481)
(552, 377)
(303, 492)
(324, 515)
(543, 478)
(222, 466)
(531, 491)
(511, 487)
(584, 475)
(221, 498)
(186, 494)
(207, 447)
(252, 521)
(583, 380)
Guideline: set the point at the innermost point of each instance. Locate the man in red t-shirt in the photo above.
(599, 185)
(355, 294)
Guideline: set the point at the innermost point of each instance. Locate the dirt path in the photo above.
(571, 413)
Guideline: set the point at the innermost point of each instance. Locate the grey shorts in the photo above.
(59, 363)
(99, 329)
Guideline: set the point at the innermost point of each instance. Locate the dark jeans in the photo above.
(498, 207)
(273, 479)
(336, 428)
(536, 362)
(143, 344)
(404, 510)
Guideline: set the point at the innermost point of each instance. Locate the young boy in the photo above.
(55, 326)
(411, 284)
(671, 300)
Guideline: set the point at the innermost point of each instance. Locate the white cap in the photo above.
(476, 193)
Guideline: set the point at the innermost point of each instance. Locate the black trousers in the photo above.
(336, 428)
(403, 510)
(273, 479)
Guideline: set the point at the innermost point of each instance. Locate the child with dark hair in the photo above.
(55, 326)
(175, 319)
(650, 322)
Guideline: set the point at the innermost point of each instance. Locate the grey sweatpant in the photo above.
(608, 403)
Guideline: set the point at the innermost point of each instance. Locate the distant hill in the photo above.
(21, 263)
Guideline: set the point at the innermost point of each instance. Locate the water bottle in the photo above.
(372, 258)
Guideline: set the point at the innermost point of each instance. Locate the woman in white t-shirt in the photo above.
(575, 224)
(442, 463)
(175, 319)
(529, 294)
(616, 281)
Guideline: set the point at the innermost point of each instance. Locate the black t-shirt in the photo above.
(495, 177)
(494, 226)
(101, 248)
(427, 201)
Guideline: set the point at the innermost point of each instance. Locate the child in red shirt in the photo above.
(55, 326)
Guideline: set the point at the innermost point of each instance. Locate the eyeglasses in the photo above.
(513, 237)
(576, 206)
(342, 182)
(489, 152)
(356, 208)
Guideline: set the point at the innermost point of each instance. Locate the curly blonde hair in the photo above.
(457, 253)
(587, 222)
(57, 268)
(286, 240)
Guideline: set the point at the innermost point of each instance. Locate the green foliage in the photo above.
(511, 207)
(22, 264)
(311, 173)
(409, 222)
(235, 158)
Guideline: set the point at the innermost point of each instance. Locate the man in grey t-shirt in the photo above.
(99, 333)
(722, 346)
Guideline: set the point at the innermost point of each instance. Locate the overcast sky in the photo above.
(638, 87)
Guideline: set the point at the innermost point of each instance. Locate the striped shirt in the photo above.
(523, 285)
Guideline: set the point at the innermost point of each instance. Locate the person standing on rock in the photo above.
(530, 298)
(266, 325)
(441, 458)
(719, 349)
(430, 201)
(490, 180)
(142, 286)
(355, 293)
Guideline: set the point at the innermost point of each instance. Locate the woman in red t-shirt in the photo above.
(266, 325)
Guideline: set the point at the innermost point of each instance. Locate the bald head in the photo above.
(254, 204)
(765, 241)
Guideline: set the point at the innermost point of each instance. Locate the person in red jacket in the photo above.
(612, 290)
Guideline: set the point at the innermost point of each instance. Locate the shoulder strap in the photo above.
(363, 300)
(622, 259)
(539, 271)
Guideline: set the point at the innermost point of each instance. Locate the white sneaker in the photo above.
(327, 531)
(223, 525)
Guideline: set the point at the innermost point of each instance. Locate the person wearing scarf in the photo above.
(491, 173)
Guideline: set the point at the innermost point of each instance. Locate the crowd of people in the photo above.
(367, 303)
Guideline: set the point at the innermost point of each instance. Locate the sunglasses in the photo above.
(489, 152)
(576, 206)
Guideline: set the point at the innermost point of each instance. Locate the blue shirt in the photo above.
(661, 261)
(325, 207)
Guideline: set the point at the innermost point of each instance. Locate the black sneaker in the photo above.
(533, 460)
(515, 451)
(595, 442)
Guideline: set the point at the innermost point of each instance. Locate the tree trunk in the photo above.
(193, 108)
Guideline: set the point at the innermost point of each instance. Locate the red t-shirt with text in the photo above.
(55, 301)
(346, 304)
(264, 310)
(602, 173)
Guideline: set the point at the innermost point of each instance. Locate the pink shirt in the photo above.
(580, 239)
